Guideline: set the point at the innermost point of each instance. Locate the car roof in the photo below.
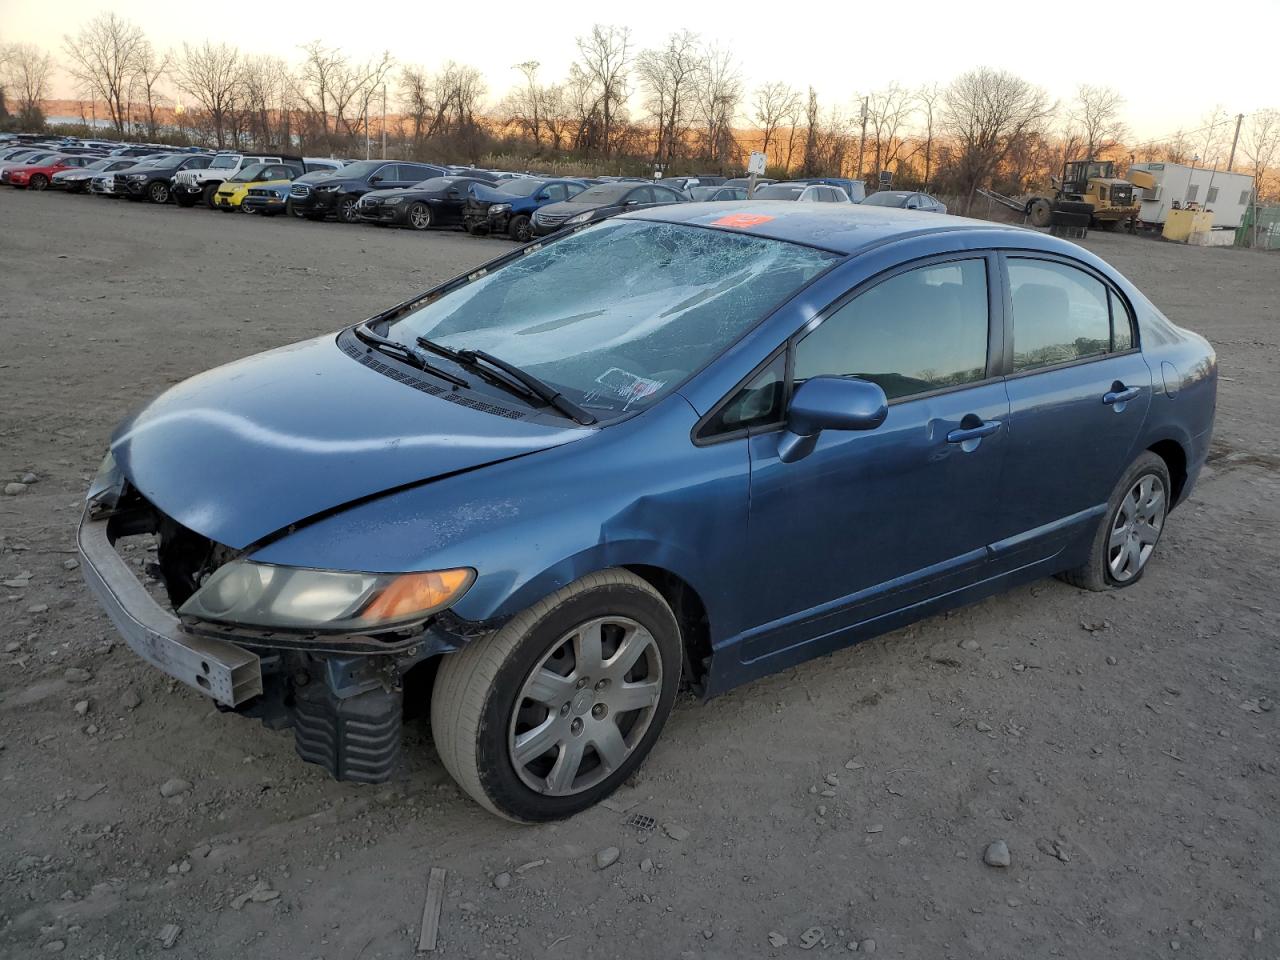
(841, 227)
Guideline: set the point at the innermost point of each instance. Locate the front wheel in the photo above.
(554, 711)
(1041, 212)
(1130, 530)
(158, 192)
(419, 216)
(39, 181)
(347, 209)
(520, 229)
(207, 195)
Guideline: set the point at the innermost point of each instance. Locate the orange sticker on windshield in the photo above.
(741, 220)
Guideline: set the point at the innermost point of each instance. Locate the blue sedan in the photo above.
(698, 443)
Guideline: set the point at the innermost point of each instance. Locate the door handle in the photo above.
(1120, 396)
(973, 433)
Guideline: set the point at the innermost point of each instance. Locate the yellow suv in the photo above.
(232, 192)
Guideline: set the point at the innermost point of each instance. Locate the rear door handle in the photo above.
(1120, 396)
(973, 433)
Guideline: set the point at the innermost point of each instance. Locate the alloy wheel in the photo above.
(420, 216)
(1136, 527)
(347, 210)
(585, 706)
(159, 193)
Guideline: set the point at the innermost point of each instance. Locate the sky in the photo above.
(1174, 64)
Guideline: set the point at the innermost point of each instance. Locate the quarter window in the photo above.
(758, 403)
(918, 331)
(1121, 326)
(1060, 314)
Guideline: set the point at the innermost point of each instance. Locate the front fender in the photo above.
(635, 492)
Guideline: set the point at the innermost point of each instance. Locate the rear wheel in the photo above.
(419, 216)
(554, 711)
(158, 192)
(520, 229)
(39, 181)
(1130, 530)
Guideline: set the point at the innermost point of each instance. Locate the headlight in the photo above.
(499, 208)
(580, 218)
(137, 176)
(329, 189)
(392, 201)
(295, 598)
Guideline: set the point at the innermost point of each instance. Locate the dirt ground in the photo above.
(1123, 745)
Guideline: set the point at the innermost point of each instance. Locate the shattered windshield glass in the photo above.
(617, 314)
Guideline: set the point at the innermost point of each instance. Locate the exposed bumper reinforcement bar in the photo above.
(221, 670)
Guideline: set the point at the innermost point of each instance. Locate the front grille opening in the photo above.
(172, 561)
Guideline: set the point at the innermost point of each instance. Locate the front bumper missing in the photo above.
(229, 674)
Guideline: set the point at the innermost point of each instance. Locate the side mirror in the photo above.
(829, 403)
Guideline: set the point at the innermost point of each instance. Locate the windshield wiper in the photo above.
(405, 353)
(525, 382)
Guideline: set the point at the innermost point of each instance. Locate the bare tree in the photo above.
(210, 73)
(265, 99)
(887, 113)
(719, 94)
(1095, 114)
(605, 58)
(929, 97)
(1260, 144)
(1216, 137)
(986, 112)
(103, 60)
(315, 80)
(27, 70)
(772, 106)
(149, 69)
(525, 106)
(668, 81)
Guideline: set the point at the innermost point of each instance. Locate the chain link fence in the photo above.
(1260, 228)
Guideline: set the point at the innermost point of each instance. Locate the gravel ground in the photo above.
(1122, 746)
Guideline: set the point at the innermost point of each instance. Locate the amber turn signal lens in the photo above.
(417, 593)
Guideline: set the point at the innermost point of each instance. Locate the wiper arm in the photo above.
(525, 382)
(406, 354)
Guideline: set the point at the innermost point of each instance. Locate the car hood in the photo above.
(242, 451)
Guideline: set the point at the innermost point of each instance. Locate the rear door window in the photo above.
(1060, 314)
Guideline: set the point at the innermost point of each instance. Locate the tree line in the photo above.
(683, 106)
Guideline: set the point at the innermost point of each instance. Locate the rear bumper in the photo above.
(227, 673)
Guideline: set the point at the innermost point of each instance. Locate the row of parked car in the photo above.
(419, 196)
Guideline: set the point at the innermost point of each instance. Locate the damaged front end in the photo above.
(341, 690)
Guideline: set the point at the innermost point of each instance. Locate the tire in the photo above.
(158, 192)
(418, 216)
(1074, 206)
(39, 182)
(347, 209)
(207, 194)
(520, 229)
(292, 211)
(1098, 572)
(479, 702)
(1040, 212)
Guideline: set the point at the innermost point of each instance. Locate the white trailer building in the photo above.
(1226, 194)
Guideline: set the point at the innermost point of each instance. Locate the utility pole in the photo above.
(1231, 160)
(862, 141)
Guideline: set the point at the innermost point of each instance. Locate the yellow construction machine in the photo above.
(1110, 198)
